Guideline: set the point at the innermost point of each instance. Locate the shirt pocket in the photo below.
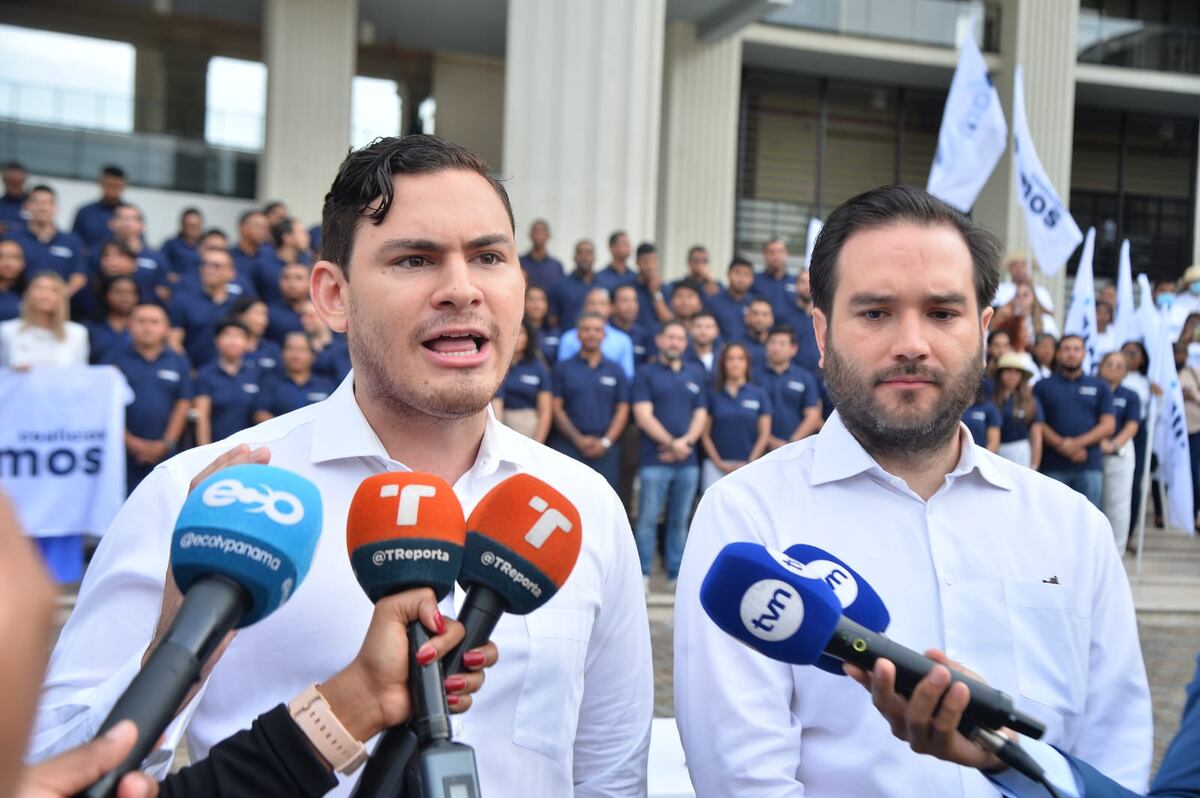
(1050, 633)
(548, 707)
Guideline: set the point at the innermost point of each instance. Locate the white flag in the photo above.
(1148, 316)
(1125, 317)
(1053, 234)
(814, 230)
(1170, 444)
(973, 134)
(1081, 317)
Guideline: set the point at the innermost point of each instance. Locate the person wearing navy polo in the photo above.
(12, 202)
(1021, 416)
(12, 279)
(182, 252)
(795, 394)
(290, 244)
(91, 220)
(1117, 451)
(739, 417)
(566, 298)
(704, 345)
(652, 304)
(46, 247)
(525, 400)
(296, 386)
(730, 303)
(284, 314)
(799, 317)
(541, 268)
(195, 314)
(617, 272)
(983, 420)
(760, 318)
(616, 346)
(699, 276)
(773, 283)
(251, 246)
(162, 388)
(669, 410)
(537, 313)
(109, 332)
(260, 350)
(128, 228)
(333, 351)
(1079, 414)
(591, 403)
(625, 312)
(227, 389)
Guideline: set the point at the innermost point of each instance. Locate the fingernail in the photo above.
(113, 733)
(455, 683)
(439, 622)
(452, 700)
(427, 654)
(939, 676)
(473, 659)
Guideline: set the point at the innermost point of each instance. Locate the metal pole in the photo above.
(1141, 522)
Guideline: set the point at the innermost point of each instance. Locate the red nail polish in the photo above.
(452, 700)
(439, 622)
(427, 654)
(473, 659)
(454, 683)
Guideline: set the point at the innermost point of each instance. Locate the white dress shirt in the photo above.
(24, 345)
(1007, 571)
(566, 711)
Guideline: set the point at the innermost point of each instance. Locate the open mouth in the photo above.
(465, 344)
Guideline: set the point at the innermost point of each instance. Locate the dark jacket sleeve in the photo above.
(271, 758)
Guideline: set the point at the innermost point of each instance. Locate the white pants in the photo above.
(1020, 452)
(1118, 493)
(709, 473)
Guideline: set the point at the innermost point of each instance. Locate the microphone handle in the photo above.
(854, 643)
(211, 608)
(481, 611)
(430, 713)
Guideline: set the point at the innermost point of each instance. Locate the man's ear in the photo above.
(821, 329)
(330, 294)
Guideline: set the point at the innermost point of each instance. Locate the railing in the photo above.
(1116, 41)
(933, 22)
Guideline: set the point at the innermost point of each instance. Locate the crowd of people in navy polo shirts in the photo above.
(662, 387)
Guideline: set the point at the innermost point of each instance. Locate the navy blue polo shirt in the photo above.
(105, 342)
(646, 315)
(265, 278)
(267, 356)
(675, 396)
(545, 272)
(808, 354)
(91, 223)
(792, 391)
(281, 320)
(333, 362)
(1014, 426)
(1073, 407)
(644, 349)
(590, 395)
(780, 292)
(61, 254)
(979, 417)
(691, 358)
(12, 212)
(609, 279)
(758, 354)
(197, 315)
(735, 419)
(247, 266)
(152, 270)
(234, 397)
(10, 304)
(547, 341)
(730, 313)
(182, 258)
(281, 394)
(1126, 407)
(566, 299)
(157, 385)
(524, 381)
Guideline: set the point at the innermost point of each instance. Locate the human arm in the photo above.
(810, 422)
(158, 450)
(1035, 444)
(764, 434)
(203, 405)
(545, 415)
(568, 429)
(619, 420)
(176, 338)
(993, 439)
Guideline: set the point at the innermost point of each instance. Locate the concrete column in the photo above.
(1040, 36)
(310, 48)
(583, 88)
(469, 91)
(698, 159)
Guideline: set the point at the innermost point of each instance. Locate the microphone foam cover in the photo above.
(860, 602)
(523, 539)
(257, 525)
(405, 529)
(760, 597)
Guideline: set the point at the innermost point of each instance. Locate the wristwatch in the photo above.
(312, 713)
(606, 443)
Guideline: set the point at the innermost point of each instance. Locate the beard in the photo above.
(913, 434)
(468, 392)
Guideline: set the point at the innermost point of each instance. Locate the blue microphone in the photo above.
(772, 603)
(859, 600)
(243, 543)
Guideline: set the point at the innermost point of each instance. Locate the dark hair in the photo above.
(363, 187)
(884, 206)
(760, 301)
(272, 205)
(186, 212)
(590, 315)
(293, 334)
(533, 352)
(645, 248)
(706, 314)
(722, 376)
(214, 231)
(244, 215)
(681, 286)
(662, 328)
(1067, 337)
(694, 248)
(227, 322)
(43, 187)
(282, 228)
(244, 303)
(626, 286)
(121, 248)
(612, 238)
(738, 260)
(782, 329)
(1044, 336)
(102, 292)
(112, 171)
(1144, 366)
(14, 165)
(542, 222)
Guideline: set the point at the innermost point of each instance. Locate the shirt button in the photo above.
(947, 580)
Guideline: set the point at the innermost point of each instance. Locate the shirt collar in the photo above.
(341, 431)
(838, 455)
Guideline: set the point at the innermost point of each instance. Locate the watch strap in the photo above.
(312, 713)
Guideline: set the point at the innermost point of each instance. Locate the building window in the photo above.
(235, 112)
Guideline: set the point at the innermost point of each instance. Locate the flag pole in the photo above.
(1145, 483)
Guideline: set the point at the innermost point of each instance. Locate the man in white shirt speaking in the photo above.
(1005, 570)
(420, 270)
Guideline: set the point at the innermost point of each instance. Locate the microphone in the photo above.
(760, 597)
(242, 544)
(860, 602)
(523, 539)
(406, 530)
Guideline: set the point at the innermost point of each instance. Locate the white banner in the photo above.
(1170, 444)
(1053, 234)
(973, 134)
(1149, 319)
(62, 447)
(1125, 317)
(1081, 316)
(814, 230)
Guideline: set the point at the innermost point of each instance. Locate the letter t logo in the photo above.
(551, 521)
(410, 500)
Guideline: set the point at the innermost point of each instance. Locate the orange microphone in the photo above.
(522, 542)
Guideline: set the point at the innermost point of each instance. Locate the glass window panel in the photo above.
(860, 150)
